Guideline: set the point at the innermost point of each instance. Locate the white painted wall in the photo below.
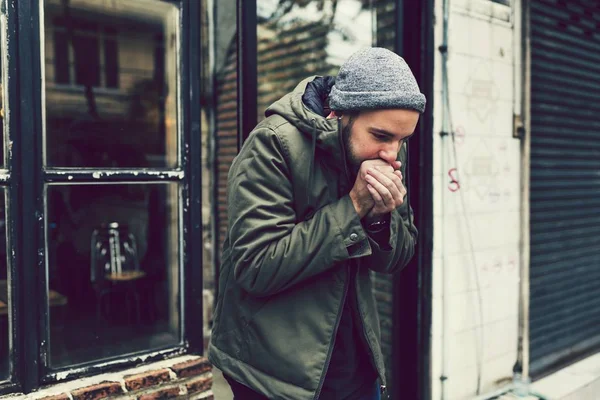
(476, 239)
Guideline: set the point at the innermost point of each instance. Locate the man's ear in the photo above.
(334, 114)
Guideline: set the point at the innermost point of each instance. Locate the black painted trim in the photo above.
(7, 388)
(247, 69)
(412, 294)
(193, 283)
(14, 210)
(30, 280)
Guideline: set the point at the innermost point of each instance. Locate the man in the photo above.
(316, 199)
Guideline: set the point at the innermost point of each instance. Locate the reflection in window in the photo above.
(224, 76)
(111, 83)
(226, 64)
(113, 262)
(320, 33)
(4, 293)
(94, 50)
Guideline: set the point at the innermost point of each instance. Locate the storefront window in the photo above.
(113, 262)
(113, 227)
(110, 81)
(101, 185)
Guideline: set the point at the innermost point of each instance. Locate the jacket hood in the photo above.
(305, 108)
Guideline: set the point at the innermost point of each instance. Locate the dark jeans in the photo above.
(241, 392)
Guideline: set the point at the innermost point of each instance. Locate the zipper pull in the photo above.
(384, 393)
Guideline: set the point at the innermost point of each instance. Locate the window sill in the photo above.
(189, 376)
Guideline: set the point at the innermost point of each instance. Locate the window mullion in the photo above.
(247, 69)
(13, 210)
(30, 276)
(193, 267)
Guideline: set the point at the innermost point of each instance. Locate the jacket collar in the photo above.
(292, 108)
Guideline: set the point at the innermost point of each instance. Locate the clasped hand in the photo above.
(378, 189)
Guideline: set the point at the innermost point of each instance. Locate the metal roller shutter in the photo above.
(565, 182)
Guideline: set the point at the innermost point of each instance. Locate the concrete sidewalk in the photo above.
(220, 387)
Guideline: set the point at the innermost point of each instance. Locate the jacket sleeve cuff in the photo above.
(355, 238)
(385, 241)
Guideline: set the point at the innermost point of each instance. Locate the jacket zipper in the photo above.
(349, 277)
(337, 324)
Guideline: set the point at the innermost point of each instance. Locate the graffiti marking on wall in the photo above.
(454, 185)
(482, 92)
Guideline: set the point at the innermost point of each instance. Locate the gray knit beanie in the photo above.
(375, 78)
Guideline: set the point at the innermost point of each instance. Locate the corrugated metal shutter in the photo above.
(565, 182)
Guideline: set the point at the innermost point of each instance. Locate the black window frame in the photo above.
(27, 176)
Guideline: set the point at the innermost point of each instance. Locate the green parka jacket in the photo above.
(295, 243)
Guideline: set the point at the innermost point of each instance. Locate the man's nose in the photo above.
(390, 152)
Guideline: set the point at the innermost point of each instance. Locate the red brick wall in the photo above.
(226, 136)
(181, 378)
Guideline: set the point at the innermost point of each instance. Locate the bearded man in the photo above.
(316, 200)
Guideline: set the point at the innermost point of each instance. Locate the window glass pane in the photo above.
(111, 83)
(321, 33)
(4, 295)
(113, 262)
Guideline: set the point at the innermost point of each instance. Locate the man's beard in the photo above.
(352, 162)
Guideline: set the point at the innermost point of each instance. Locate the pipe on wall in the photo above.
(446, 128)
(523, 62)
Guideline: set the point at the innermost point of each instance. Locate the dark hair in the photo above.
(352, 114)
